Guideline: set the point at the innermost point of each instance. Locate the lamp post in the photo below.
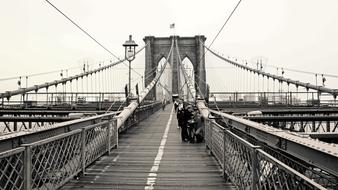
(130, 52)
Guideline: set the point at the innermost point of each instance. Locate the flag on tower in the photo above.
(172, 25)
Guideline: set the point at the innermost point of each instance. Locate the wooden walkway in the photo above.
(152, 156)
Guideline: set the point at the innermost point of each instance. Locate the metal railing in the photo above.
(14, 140)
(57, 100)
(51, 162)
(12, 169)
(248, 166)
(264, 99)
(140, 114)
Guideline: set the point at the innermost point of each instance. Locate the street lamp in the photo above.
(130, 52)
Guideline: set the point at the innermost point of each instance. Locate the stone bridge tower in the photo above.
(190, 47)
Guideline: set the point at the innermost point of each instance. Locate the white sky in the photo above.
(298, 34)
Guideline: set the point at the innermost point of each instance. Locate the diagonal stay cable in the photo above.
(145, 92)
(187, 80)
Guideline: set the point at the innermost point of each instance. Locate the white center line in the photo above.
(115, 159)
(152, 176)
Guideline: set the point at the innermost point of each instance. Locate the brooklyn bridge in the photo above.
(112, 125)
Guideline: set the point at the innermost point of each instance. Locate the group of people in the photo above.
(190, 121)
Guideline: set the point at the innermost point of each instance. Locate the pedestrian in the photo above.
(163, 104)
(176, 105)
(179, 114)
(199, 127)
(184, 123)
(189, 119)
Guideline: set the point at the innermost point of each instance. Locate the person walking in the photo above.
(189, 118)
(182, 122)
(176, 105)
(199, 130)
(164, 102)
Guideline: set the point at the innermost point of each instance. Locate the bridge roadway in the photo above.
(152, 156)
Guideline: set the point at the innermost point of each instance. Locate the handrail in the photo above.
(289, 169)
(250, 167)
(288, 142)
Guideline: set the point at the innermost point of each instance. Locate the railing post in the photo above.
(27, 168)
(254, 164)
(83, 151)
(211, 142)
(125, 124)
(223, 154)
(318, 97)
(137, 113)
(116, 132)
(100, 103)
(51, 100)
(206, 134)
(108, 136)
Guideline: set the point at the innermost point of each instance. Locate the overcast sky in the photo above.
(298, 34)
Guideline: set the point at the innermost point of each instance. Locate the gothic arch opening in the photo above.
(163, 87)
(189, 70)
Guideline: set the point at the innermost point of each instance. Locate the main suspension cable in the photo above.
(225, 23)
(79, 27)
(90, 36)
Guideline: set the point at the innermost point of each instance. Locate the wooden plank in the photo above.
(183, 165)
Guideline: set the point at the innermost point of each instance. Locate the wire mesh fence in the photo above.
(51, 162)
(248, 166)
(96, 141)
(273, 174)
(55, 160)
(12, 169)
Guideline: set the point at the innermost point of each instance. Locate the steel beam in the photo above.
(45, 112)
(299, 111)
(34, 119)
(320, 154)
(292, 118)
(13, 140)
